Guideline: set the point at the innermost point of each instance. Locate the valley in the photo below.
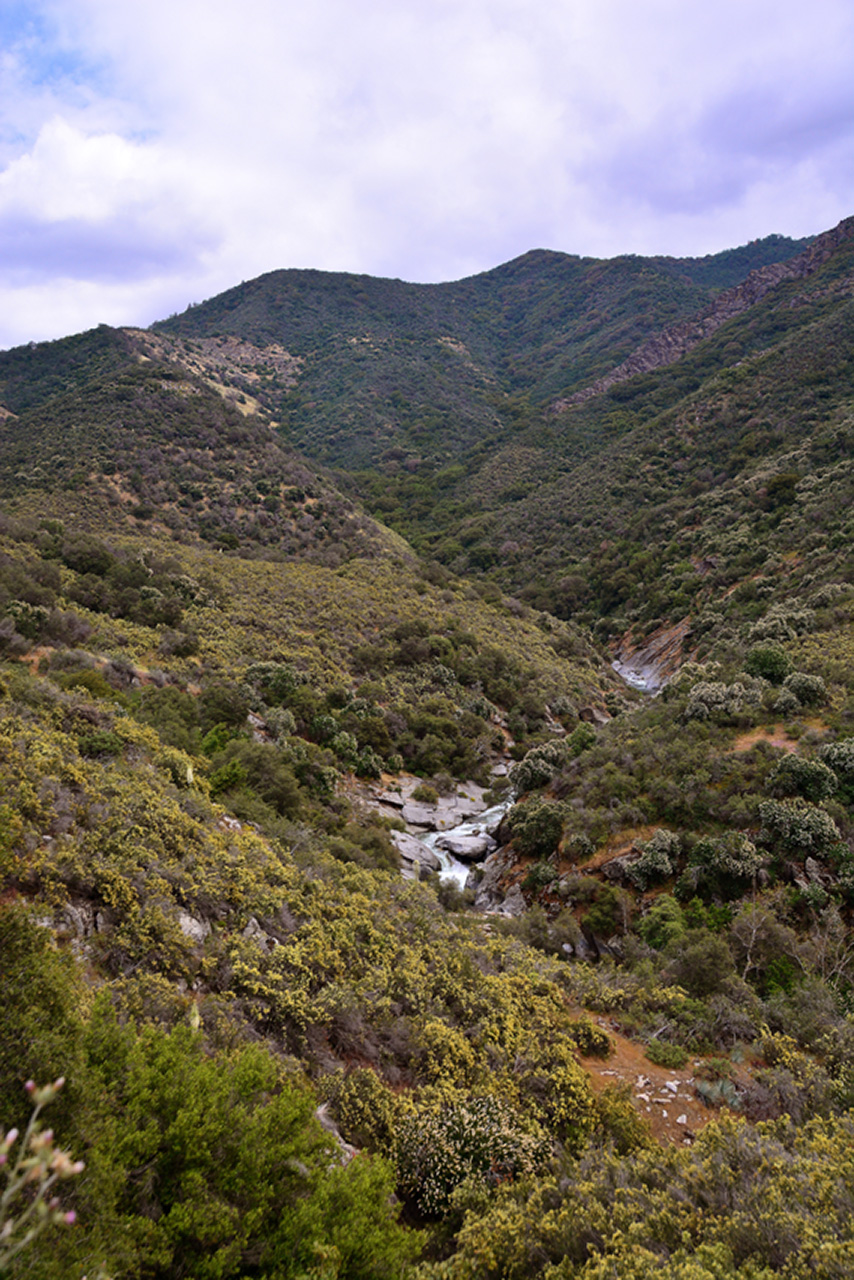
(294, 584)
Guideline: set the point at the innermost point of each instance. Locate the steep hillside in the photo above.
(391, 372)
(653, 499)
(238, 716)
(128, 442)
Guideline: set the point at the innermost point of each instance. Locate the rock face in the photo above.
(672, 343)
(490, 894)
(192, 928)
(447, 812)
(651, 664)
(414, 851)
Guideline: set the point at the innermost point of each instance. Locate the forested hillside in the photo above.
(378, 926)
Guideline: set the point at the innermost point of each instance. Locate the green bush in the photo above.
(478, 1139)
(666, 1055)
(810, 779)
(770, 662)
(365, 1110)
(810, 691)
(657, 860)
(797, 827)
(536, 826)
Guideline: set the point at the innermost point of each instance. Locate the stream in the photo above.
(642, 676)
(485, 823)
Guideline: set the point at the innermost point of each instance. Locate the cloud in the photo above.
(180, 147)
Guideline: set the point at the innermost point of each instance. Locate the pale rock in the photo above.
(413, 850)
(195, 930)
(421, 815)
(514, 903)
(254, 931)
(79, 919)
(813, 871)
(467, 848)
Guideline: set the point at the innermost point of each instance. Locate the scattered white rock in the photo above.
(683, 1119)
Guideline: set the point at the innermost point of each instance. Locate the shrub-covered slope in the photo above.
(389, 372)
(124, 441)
(283, 1059)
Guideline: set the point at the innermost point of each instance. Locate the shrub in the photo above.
(700, 962)
(365, 1110)
(477, 1139)
(223, 702)
(581, 738)
(590, 1040)
(810, 779)
(715, 861)
(797, 827)
(769, 662)
(810, 691)
(556, 1090)
(536, 826)
(539, 767)
(617, 1123)
(663, 923)
(839, 756)
(714, 699)
(666, 1055)
(657, 860)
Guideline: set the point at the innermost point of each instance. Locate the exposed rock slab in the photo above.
(413, 850)
(650, 664)
(468, 848)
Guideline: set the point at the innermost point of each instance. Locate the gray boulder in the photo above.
(413, 850)
(467, 848)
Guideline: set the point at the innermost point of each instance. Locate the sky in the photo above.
(154, 154)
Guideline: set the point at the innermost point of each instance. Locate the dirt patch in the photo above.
(664, 1097)
(33, 658)
(775, 737)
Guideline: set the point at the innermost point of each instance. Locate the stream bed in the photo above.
(477, 833)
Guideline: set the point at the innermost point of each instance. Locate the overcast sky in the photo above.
(155, 153)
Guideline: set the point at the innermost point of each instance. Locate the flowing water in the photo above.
(453, 868)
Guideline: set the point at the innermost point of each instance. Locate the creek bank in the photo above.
(448, 835)
(648, 665)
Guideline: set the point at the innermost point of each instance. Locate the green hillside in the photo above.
(233, 683)
(428, 369)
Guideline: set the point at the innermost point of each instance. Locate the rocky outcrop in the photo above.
(672, 343)
(415, 855)
(649, 664)
(468, 848)
(490, 889)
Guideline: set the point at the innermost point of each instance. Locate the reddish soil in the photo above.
(614, 847)
(662, 1106)
(776, 737)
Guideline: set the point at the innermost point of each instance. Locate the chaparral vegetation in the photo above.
(328, 561)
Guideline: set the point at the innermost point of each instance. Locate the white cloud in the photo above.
(201, 143)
